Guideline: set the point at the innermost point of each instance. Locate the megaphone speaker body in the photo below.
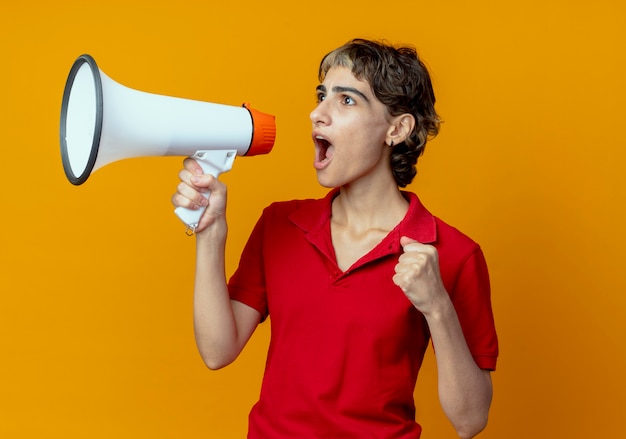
(103, 122)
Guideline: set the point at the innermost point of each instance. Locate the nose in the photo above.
(319, 115)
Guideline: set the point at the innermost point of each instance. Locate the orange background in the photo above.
(95, 307)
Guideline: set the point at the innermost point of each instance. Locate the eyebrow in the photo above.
(341, 89)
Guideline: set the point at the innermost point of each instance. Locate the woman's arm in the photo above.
(465, 390)
(222, 327)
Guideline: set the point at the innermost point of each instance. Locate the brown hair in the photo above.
(400, 80)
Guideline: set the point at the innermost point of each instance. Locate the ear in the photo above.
(400, 129)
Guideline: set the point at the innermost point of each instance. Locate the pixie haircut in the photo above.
(400, 80)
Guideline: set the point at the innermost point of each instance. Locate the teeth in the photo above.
(322, 139)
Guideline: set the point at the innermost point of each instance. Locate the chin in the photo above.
(327, 182)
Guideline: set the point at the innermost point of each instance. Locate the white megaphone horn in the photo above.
(103, 121)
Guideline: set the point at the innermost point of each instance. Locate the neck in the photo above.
(360, 208)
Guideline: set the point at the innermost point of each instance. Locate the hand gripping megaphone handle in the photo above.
(213, 162)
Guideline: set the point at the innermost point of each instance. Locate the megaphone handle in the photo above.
(214, 162)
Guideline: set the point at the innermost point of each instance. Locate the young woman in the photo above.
(358, 282)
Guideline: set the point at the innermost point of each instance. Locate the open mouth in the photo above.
(324, 150)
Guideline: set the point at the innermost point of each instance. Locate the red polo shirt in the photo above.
(346, 347)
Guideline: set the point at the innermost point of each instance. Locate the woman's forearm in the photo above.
(218, 337)
(465, 390)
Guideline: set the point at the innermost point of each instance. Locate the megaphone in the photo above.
(103, 122)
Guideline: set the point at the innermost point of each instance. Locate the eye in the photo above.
(320, 96)
(347, 100)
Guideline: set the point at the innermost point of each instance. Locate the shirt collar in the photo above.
(418, 223)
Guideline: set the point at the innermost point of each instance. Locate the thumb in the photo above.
(405, 240)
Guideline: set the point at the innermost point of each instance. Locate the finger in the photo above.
(201, 182)
(402, 268)
(188, 197)
(192, 166)
(180, 201)
(412, 262)
(192, 194)
(401, 281)
(185, 176)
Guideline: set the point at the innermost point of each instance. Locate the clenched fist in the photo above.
(418, 275)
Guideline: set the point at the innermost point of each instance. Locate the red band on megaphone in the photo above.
(263, 132)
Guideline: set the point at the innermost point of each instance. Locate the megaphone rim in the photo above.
(93, 155)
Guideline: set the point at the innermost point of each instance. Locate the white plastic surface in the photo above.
(140, 124)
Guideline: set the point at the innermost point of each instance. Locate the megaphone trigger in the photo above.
(215, 163)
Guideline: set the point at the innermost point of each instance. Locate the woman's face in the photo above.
(350, 128)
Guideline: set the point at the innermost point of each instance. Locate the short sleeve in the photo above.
(471, 297)
(247, 284)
